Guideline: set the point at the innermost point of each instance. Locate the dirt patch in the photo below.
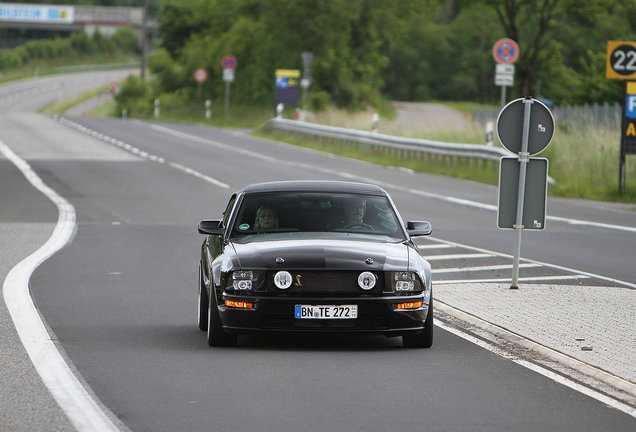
(415, 116)
(411, 118)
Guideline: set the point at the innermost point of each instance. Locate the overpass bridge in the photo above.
(76, 18)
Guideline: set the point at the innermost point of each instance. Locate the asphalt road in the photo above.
(121, 297)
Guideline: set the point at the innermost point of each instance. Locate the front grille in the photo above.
(332, 282)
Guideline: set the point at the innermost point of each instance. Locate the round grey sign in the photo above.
(510, 126)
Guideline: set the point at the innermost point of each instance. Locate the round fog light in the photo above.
(366, 280)
(283, 279)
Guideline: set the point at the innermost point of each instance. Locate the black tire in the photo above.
(425, 338)
(217, 337)
(203, 302)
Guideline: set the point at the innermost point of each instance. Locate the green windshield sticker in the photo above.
(244, 227)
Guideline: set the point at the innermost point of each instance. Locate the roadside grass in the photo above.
(584, 162)
(62, 105)
(245, 116)
(41, 67)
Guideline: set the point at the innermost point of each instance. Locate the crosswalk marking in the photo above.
(481, 268)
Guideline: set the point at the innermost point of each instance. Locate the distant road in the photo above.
(415, 116)
(34, 93)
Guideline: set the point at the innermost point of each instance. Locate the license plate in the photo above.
(326, 312)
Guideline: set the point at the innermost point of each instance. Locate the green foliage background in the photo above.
(124, 40)
(369, 50)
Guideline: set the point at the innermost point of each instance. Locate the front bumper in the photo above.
(376, 315)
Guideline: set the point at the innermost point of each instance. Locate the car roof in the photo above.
(314, 186)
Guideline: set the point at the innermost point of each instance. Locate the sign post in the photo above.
(305, 82)
(527, 137)
(505, 52)
(229, 64)
(621, 64)
(200, 75)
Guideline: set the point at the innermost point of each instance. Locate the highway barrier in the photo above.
(405, 148)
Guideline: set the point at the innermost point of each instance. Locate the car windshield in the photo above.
(340, 214)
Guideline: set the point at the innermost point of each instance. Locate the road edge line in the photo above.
(576, 364)
(72, 395)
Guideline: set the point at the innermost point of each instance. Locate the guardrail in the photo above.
(406, 148)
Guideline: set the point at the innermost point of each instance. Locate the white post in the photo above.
(124, 113)
(489, 131)
(374, 123)
(208, 109)
(157, 110)
(279, 110)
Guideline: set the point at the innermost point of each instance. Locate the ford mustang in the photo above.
(316, 257)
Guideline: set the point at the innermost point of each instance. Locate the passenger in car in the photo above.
(266, 218)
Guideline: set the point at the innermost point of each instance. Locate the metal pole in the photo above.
(198, 97)
(503, 95)
(305, 104)
(144, 37)
(621, 163)
(523, 159)
(227, 100)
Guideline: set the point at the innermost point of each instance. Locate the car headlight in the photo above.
(283, 279)
(405, 281)
(243, 280)
(367, 280)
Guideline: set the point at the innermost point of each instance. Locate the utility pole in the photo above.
(144, 38)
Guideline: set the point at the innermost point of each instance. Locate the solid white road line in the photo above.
(541, 370)
(74, 399)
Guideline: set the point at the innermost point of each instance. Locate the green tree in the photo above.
(533, 23)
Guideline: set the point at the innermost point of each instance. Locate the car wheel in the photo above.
(425, 338)
(216, 335)
(203, 301)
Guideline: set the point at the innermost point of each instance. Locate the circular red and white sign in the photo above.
(505, 51)
(229, 62)
(200, 75)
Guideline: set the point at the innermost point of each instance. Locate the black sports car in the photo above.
(314, 256)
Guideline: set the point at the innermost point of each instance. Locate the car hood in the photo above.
(321, 254)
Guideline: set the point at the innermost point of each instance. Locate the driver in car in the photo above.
(355, 209)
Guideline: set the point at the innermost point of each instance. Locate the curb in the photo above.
(578, 365)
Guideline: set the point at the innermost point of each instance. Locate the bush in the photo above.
(319, 101)
(125, 39)
(82, 43)
(134, 96)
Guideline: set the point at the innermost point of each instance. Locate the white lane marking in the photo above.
(541, 370)
(434, 246)
(566, 269)
(199, 175)
(138, 152)
(481, 268)
(458, 256)
(74, 399)
(521, 279)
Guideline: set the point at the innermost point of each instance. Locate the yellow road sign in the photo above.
(621, 60)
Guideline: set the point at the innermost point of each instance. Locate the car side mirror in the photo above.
(211, 227)
(419, 228)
